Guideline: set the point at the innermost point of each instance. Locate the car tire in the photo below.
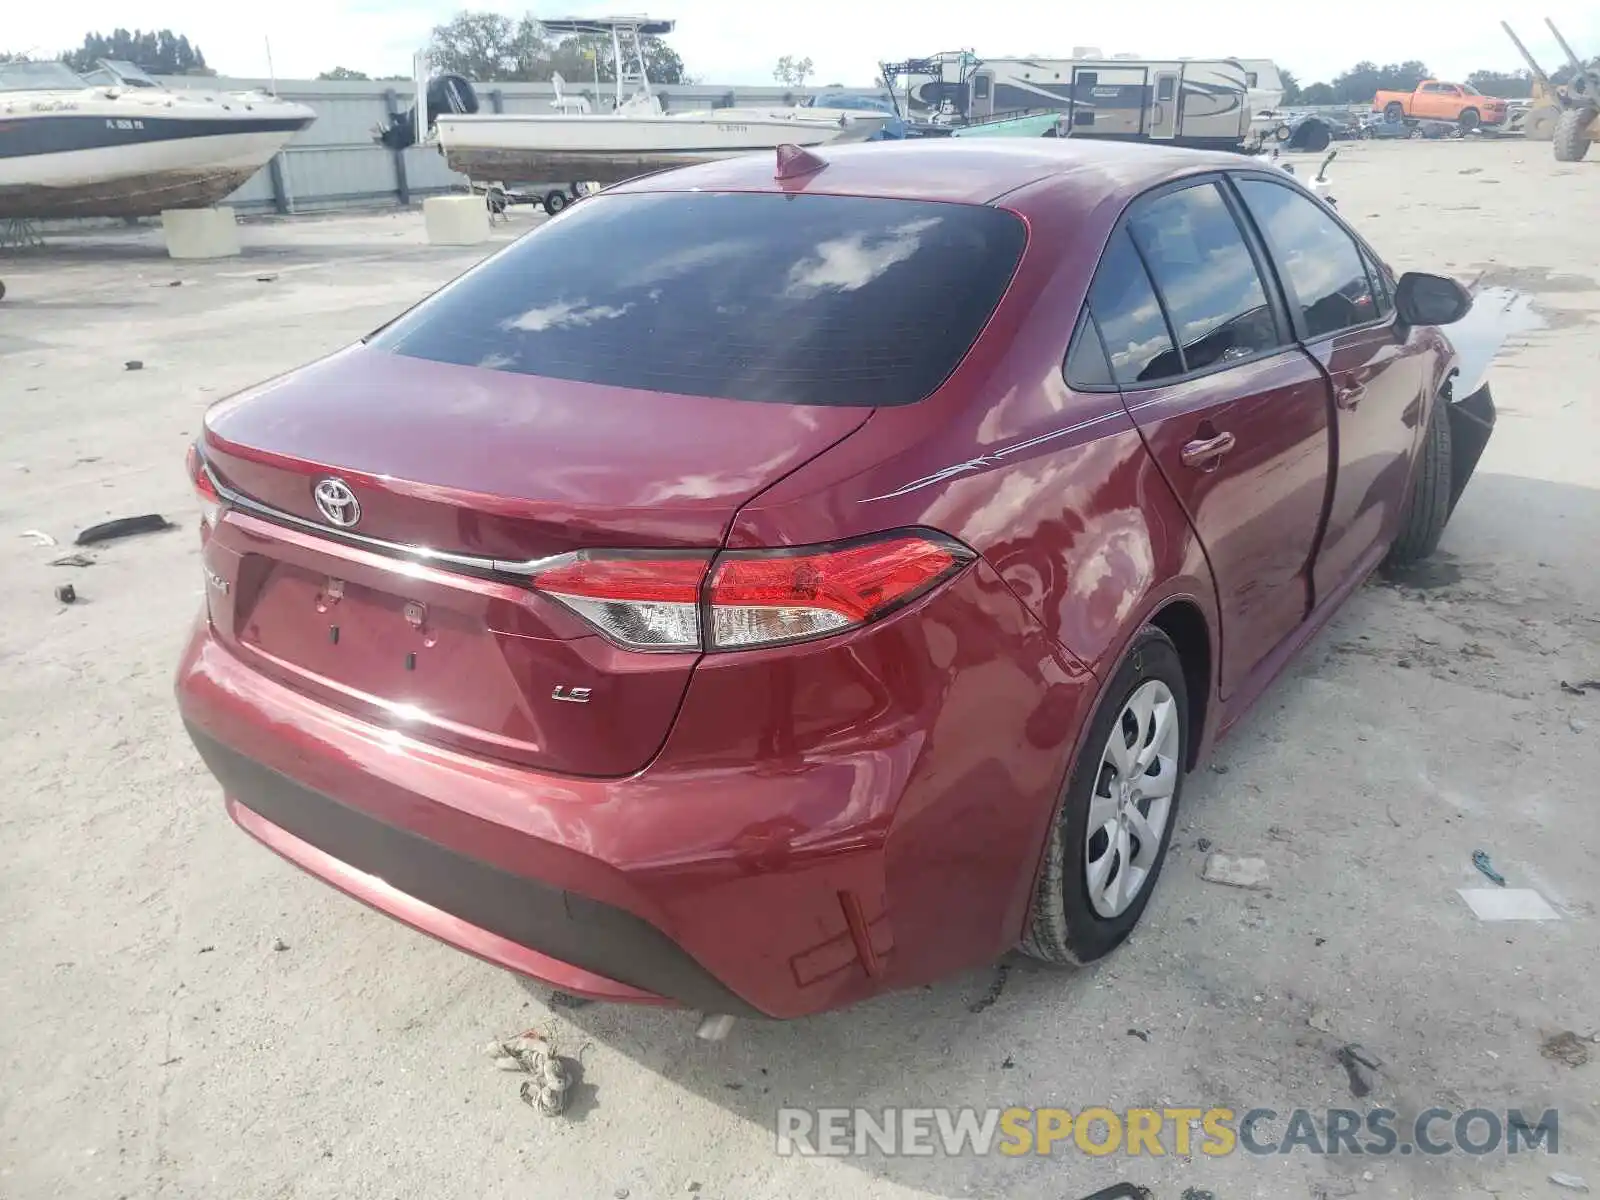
(1394, 110)
(1571, 137)
(1073, 922)
(1469, 120)
(1314, 136)
(555, 201)
(1540, 124)
(1428, 505)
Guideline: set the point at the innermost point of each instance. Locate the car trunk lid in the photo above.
(417, 615)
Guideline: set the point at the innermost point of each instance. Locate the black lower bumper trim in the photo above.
(564, 925)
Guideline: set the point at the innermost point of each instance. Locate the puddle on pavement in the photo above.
(1497, 314)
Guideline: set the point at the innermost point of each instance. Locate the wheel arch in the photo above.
(1182, 620)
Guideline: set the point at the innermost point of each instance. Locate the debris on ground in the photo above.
(266, 278)
(1194, 1193)
(1480, 859)
(1573, 1183)
(1358, 1064)
(1577, 724)
(66, 593)
(1508, 904)
(1566, 1047)
(1202, 845)
(1322, 1019)
(72, 560)
(123, 527)
(560, 999)
(207, 949)
(1007, 1063)
(279, 945)
(1142, 1034)
(1580, 688)
(38, 537)
(133, 364)
(996, 986)
(1235, 872)
(552, 1075)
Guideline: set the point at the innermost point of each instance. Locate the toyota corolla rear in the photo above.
(477, 647)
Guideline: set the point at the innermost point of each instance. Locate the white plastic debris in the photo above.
(1573, 1183)
(1235, 872)
(1508, 904)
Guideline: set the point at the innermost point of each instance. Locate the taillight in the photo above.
(763, 598)
(752, 598)
(205, 491)
(642, 602)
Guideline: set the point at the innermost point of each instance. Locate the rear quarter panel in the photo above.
(1054, 487)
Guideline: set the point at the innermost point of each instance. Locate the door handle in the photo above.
(1205, 453)
(1349, 398)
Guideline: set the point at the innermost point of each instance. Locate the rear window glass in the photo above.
(826, 300)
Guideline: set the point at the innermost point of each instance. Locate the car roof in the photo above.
(963, 170)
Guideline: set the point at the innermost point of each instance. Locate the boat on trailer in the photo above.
(116, 143)
(637, 136)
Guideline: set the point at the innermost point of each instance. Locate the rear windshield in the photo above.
(828, 300)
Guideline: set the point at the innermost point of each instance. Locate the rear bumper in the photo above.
(823, 823)
(471, 904)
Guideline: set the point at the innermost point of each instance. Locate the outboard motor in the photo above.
(447, 93)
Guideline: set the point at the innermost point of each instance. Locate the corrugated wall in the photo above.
(336, 164)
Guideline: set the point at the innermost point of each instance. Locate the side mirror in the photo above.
(1423, 299)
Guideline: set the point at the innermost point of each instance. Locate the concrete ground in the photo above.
(186, 1015)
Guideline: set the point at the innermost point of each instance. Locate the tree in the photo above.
(578, 57)
(1361, 82)
(490, 47)
(1317, 93)
(1291, 87)
(1511, 85)
(344, 73)
(487, 46)
(792, 72)
(159, 53)
(14, 56)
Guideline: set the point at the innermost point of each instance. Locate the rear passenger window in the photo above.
(1086, 360)
(1206, 277)
(1125, 307)
(1315, 257)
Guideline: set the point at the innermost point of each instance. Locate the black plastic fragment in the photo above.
(123, 527)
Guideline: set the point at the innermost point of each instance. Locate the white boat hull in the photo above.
(66, 155)
(609, 148)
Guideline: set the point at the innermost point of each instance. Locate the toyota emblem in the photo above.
(336, 502)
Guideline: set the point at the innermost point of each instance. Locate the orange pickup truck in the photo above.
(1435, 100)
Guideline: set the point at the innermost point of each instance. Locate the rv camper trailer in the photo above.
(1197, 102)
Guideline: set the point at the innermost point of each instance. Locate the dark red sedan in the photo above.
(757, 590)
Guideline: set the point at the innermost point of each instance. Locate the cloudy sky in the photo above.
(726, 42)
